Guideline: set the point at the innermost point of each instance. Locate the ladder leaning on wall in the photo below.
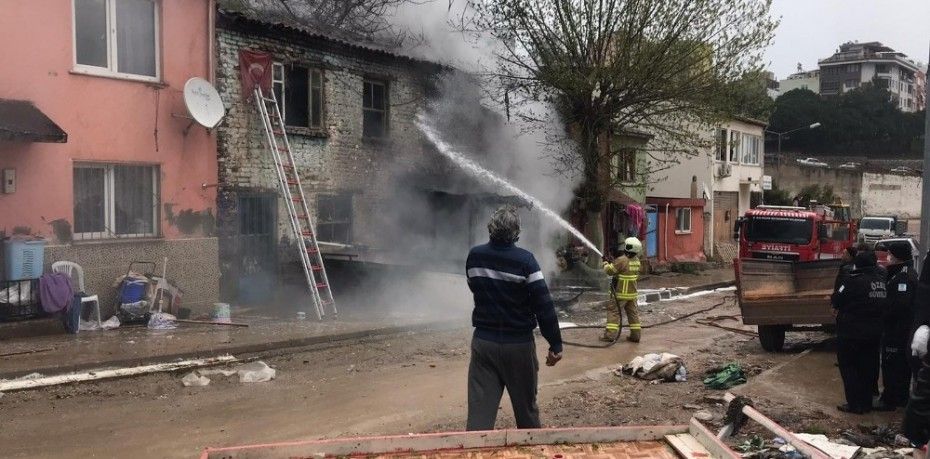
(311, 259)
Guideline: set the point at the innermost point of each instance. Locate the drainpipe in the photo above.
(666, 233)
(211, 37)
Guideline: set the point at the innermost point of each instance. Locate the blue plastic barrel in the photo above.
(23, 258)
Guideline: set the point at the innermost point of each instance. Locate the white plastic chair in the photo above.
(76, 273)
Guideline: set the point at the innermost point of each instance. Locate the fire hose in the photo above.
(711, 321)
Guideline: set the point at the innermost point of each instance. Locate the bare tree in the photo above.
(354, 20)
(665, 67)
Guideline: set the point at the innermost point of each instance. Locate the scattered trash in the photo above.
(301, 315)
(91, 325)
(193, 379)
(724, 377)
(659, 367)
(754, 444)
(692, 407)
(162, 321)
(832, 449)
(256, 372)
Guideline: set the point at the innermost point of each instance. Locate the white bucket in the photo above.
(221, 313)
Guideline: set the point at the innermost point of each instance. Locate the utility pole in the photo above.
(925, 182)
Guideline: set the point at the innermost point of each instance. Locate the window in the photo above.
(722, 145)
(299, 91)
(118, 37)
(683, 220)
(115, 201)
(851, 68)
(881, 68)
(734, 146)
(626, 165)
(852, 84)
(751, 148)
(374, 109)
(334, 218)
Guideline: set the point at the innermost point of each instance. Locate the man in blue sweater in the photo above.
(511, 296)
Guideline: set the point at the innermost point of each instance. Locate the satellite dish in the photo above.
(203, 102)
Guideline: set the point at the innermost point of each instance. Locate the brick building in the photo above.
(376, 191)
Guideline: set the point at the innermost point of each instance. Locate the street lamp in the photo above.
(782, 134)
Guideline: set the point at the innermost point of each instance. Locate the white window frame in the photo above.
(109, 215)
(112, 48)
(679, 229)
(750, 149)
(279, 68)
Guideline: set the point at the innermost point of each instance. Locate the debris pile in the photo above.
(657, 367)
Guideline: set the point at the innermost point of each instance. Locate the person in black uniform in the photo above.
(897, 322)
(916, 425)
(859, 302)
(849, 254)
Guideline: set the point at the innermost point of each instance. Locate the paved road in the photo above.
(409, 383)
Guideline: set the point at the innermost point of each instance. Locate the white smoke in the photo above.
(517, 150)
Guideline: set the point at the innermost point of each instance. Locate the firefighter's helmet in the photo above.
(632, 245)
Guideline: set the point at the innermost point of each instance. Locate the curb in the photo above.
(292, 345)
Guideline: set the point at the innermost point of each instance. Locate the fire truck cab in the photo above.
(793, 233)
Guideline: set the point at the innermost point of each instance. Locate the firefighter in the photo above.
(898, 321)
(860, 301)
(624, 273)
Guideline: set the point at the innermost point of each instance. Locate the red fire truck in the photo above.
(788, 261)
(794, 233)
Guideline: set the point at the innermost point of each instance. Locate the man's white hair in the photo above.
(504, 225)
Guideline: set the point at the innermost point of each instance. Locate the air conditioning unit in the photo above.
(725, 170)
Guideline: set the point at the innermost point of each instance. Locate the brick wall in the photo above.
(338, 160)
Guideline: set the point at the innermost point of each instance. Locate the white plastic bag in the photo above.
(256, 372)
(91, 325)
(919, 344)
(193, 379)
(162, 321)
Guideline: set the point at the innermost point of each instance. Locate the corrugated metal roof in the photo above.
(290, 15)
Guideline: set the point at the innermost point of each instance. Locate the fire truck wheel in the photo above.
(772, 337)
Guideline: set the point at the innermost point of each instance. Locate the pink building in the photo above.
(111, 173)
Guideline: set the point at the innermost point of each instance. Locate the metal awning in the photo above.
(20, 120)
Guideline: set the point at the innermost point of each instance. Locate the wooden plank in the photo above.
(772, 426)
(445, 442)
(687, 446)
(713, 444)
(22, 384)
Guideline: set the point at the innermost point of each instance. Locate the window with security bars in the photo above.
(114, 201)
(334, 218)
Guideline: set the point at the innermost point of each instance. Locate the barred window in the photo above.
(112, 201)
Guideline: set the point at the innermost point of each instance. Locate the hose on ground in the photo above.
(617, 338)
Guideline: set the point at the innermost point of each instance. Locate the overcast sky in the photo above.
(813, 29)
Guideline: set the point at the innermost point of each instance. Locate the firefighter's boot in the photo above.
(611, 332)
(634, 333)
